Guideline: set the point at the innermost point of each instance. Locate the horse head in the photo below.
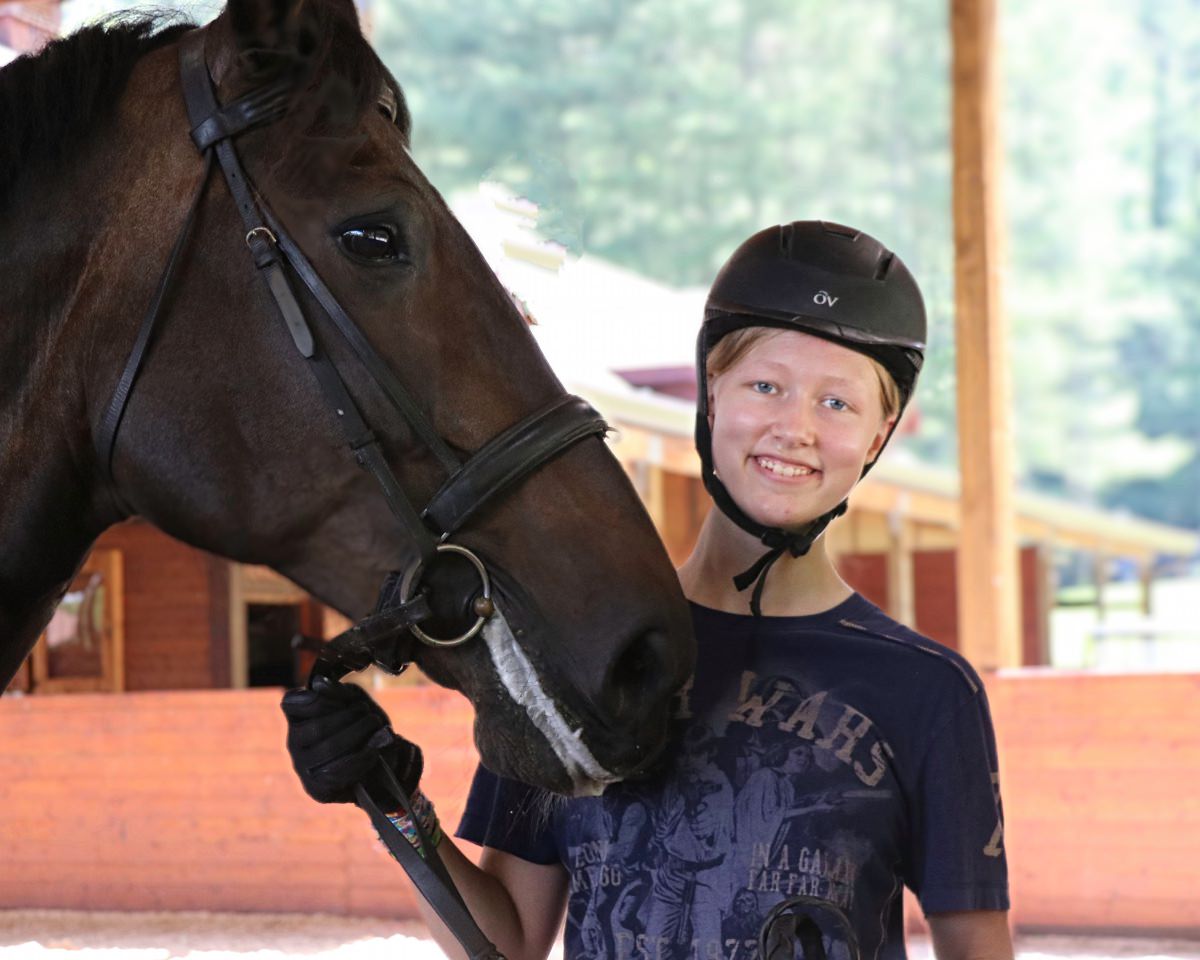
(227, 441)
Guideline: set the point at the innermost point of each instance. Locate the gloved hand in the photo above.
(338, 736)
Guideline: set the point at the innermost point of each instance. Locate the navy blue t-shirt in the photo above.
(839, 755)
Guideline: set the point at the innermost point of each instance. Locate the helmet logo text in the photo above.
(825, 299)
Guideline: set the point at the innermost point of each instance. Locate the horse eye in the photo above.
(375, 244)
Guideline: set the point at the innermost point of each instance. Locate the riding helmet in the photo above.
(823, 279)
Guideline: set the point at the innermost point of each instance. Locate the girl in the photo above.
(825, 755)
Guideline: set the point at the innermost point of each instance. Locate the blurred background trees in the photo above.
(660, 134)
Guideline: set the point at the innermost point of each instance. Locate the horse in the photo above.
(220, 434)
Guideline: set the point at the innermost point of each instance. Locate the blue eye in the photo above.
(762, 386)
(833, 403)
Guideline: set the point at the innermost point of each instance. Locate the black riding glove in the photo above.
(338, 737)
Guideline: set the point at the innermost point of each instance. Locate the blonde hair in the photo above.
(733, 346)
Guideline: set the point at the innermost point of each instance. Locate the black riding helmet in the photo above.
(826, 280)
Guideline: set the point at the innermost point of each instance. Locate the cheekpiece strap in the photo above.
(270, 245)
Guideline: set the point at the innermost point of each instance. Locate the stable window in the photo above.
(81, 649)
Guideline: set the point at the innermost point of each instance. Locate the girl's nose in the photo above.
(795, 426)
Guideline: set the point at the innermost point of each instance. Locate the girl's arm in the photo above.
(971, 935)
(517, 904)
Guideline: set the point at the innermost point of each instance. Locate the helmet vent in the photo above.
(885, 264)
(847, 233)
(785, 241)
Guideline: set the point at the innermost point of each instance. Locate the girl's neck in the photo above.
(796, 586)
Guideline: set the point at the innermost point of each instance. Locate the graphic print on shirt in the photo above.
(760, 804)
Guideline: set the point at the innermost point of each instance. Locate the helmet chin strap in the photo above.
(776, 540)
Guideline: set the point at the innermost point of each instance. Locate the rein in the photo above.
(383, 637)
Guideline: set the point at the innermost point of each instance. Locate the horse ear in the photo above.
(279, 37)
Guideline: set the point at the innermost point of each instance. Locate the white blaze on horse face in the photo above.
(523, 685)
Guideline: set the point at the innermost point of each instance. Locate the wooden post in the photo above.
(1100, 580)
(648, 481)
(988, 582)
(1146, 580)
(1039, 593)
(901, 589)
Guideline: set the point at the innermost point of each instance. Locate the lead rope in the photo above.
(353, 650)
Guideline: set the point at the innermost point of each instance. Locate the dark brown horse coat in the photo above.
(226, 443)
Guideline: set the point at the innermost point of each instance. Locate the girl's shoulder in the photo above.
(854, 631)
(869, 621)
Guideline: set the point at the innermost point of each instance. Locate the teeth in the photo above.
(783, 469)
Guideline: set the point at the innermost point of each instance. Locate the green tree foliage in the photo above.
(1161, 351)
(660, 133)
(1103, 151)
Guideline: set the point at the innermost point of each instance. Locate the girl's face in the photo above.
(793, 423)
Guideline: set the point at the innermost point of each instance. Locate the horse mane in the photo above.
(53, 102)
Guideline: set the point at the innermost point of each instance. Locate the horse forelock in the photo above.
(335, 74)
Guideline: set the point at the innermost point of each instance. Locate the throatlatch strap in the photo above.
(106, 433)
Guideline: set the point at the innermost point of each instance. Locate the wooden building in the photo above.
(176, 793)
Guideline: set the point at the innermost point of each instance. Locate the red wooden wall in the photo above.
(185, 800)
(1101, 783)
(935, 584)
(176, 605)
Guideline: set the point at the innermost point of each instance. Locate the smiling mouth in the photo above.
(779, 469)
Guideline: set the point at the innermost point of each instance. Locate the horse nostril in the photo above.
(639, 679)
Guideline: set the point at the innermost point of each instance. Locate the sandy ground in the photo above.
(66, 935)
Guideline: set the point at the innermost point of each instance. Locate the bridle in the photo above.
(506, 458)
(512, 454)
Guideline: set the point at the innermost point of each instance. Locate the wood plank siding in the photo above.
(176, 606)
(185, 800)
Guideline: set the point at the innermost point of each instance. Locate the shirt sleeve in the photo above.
(958, 859)
(510, 816)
